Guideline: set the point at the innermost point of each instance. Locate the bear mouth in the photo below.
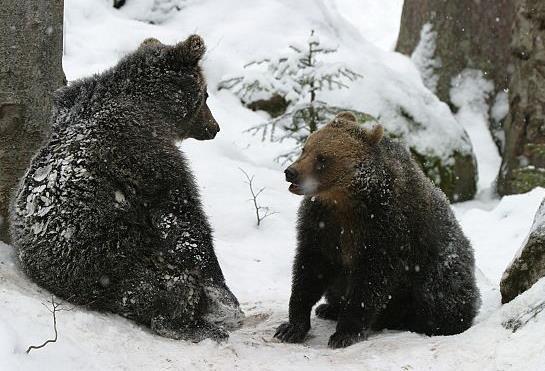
(296, 189)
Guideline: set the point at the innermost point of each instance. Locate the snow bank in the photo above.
(257, 265)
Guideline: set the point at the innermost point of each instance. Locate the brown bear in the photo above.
(377, 238)
(109, 214)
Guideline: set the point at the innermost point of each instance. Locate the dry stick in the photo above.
(56, 307)
(515, 323)
(255, 195)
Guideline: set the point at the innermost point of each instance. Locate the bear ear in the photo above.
(150, 42)
(344, 119)
(374, 133)
(191, 50)
(347, 116)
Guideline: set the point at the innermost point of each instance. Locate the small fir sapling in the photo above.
(298, 76)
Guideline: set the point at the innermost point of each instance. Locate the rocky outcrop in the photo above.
(529, 264)
(452, 171)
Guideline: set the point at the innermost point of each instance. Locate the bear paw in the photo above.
(291, 333)
(327, 311)
(343, 340)
(207, 330)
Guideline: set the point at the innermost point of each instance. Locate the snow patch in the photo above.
(424, 58)
(469, 92)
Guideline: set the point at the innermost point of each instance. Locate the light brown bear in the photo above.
(377, 238)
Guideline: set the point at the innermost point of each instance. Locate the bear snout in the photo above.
(291, 174)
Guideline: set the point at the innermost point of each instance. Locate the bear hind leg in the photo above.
(172, 306)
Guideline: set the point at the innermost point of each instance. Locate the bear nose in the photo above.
(291, 174)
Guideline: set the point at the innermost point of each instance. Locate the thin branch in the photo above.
(55, 307)
(515, 323)
(261, 212)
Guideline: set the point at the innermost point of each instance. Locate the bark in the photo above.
(523, 166)
(470, 34)
(31, 44)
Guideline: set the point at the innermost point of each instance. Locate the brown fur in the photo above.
(330, 155)
(341, 145)
(376, 238)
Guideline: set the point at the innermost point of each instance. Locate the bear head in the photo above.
(331, 156)
(167, 80)
(161, 86)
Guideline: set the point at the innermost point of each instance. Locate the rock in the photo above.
(275, 106)
(523, 166)
(151, 11)
(529, 264)
(118, 3)
(455, 174)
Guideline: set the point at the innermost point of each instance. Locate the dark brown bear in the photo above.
(377, 238)
(109, 215)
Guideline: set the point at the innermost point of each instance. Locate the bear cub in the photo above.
(377, 239)
(108, 214)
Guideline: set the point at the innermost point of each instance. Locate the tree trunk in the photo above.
(31, 44)
(470, 34)
(523, 166)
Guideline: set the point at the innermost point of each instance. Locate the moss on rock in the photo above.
(455, 176)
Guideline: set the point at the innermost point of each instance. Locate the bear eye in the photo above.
(321, 159)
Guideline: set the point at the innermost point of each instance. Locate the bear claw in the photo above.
(343, 340)
(290, 333)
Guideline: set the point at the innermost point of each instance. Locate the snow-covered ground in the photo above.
(257, 261)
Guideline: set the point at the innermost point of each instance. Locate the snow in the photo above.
(424, 58)
(469, 93)
(257, 261)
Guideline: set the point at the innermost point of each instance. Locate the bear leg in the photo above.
(443, 312)
(172, 304)
(327, 311)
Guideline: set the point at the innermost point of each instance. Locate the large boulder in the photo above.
(529, 263)
(451, 169)
(444, 152)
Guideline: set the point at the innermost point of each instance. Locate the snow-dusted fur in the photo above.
(378, 239)
(109, 215)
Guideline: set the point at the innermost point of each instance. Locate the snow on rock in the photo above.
(152, 11)
(528, 265)
(498, 228)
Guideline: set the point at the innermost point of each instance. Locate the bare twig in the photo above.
(55, 307)
(261, 212)
(515, 323)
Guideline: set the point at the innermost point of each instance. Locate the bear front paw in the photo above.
(343, 340)
(291, 333)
